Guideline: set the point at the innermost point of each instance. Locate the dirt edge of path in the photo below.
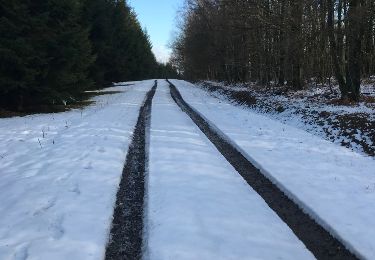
(318, 240)
(126, 240)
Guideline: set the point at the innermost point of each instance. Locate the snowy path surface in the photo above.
(198, 205)
(333, 184)
(57, 197)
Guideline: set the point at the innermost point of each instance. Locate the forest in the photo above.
(279, 42)
(52, 50)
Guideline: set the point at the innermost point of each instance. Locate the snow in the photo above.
(313, 109)
(59, 175)
(198, 206)
(335, 185)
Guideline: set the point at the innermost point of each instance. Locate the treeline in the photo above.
(52, 50)
(281, 41)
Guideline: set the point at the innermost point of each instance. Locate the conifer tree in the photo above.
(97, 16)
(52, 50)
(44, 51)
(17, 54)
(68, 50)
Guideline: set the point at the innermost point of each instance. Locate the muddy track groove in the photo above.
(127, 226)
(318, 240)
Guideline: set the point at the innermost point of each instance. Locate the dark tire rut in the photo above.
(318, 240)
(127, 226)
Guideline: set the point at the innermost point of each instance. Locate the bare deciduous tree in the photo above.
(278, 41)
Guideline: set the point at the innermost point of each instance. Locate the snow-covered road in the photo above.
(333, 184)
(56, 199)
(198, 205)
(59, 175)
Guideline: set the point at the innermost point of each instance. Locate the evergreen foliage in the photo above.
(44, 52)
(52, 50)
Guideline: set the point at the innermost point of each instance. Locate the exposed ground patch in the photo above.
(318, 108)
(126, 234)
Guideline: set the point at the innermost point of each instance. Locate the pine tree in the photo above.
(133, 57)
(122, 48)
(52, 50)
(45, 52)
(67, 49)
(17, 54)
(97, 16)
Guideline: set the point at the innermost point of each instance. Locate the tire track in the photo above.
(318, 240)
(127, 227)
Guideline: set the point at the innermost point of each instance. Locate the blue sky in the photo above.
(158, 17)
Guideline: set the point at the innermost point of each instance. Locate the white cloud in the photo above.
(162, 53)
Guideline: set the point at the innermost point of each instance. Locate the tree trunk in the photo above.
(296, 43)
(354, 46)
(333, 50)
(282, 43)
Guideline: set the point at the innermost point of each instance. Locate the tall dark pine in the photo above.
(98, 15)
(44, 51)
(122, 48)
(17, 54)
(52, 50)
(67, 48)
